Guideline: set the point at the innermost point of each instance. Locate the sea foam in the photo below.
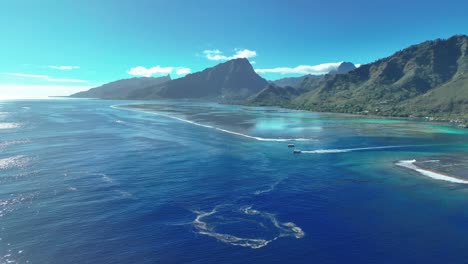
(6, 144)
(283, 229)
(15, 161)
(9, 125)
(270, 187)
(409, 164)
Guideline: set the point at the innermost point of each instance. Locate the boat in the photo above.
(297, 151)
(290, 145)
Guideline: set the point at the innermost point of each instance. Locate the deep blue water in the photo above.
(84, 182)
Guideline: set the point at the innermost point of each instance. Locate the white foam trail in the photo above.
(221, 129)
(107, 179)
(16, 161)
(287, 229)
(124, 194)
(13, 142)
(249, 211)
(430, 161)
(9, 125)
(4, 114)
(327, 151)
(104, 177)
(269, 189)
(409, 164)
(10, 205)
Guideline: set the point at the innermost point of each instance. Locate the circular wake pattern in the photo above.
(244, 226)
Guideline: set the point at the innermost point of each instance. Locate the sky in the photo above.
(51, 47)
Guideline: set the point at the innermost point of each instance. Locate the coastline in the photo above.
(459, 122)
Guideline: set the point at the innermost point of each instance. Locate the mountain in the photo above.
(428, 79)
(229, 81)
(275, 95)
(122, 88)
(294, 81)
(293, 87)
(343, 68)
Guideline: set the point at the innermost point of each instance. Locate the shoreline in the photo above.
(460, 123)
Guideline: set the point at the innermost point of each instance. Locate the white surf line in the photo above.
(219, 129)
(328, 151)
(409, 164)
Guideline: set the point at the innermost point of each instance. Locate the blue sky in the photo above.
(59, 47)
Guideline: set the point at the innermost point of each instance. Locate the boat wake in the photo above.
(409, 164)
(221, 129)
(208, 223)
(328, 151)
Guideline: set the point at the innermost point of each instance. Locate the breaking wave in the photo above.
(245, 215)
(409, 164)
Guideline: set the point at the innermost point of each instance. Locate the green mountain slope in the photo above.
(275, 95)
(430, 78)
(293, 87)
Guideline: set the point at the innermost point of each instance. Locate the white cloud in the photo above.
(63, 68)
(148, 72)
(43, 77)
(15, 91)
(157, 70)
(303, 69)
(357, 65)
(217, 55)
(183, 71)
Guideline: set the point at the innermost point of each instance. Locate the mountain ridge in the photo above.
(231, 80)
(429, 79)
(120, 89)
(343, 68)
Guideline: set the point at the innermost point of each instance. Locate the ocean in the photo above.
(98, 181)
